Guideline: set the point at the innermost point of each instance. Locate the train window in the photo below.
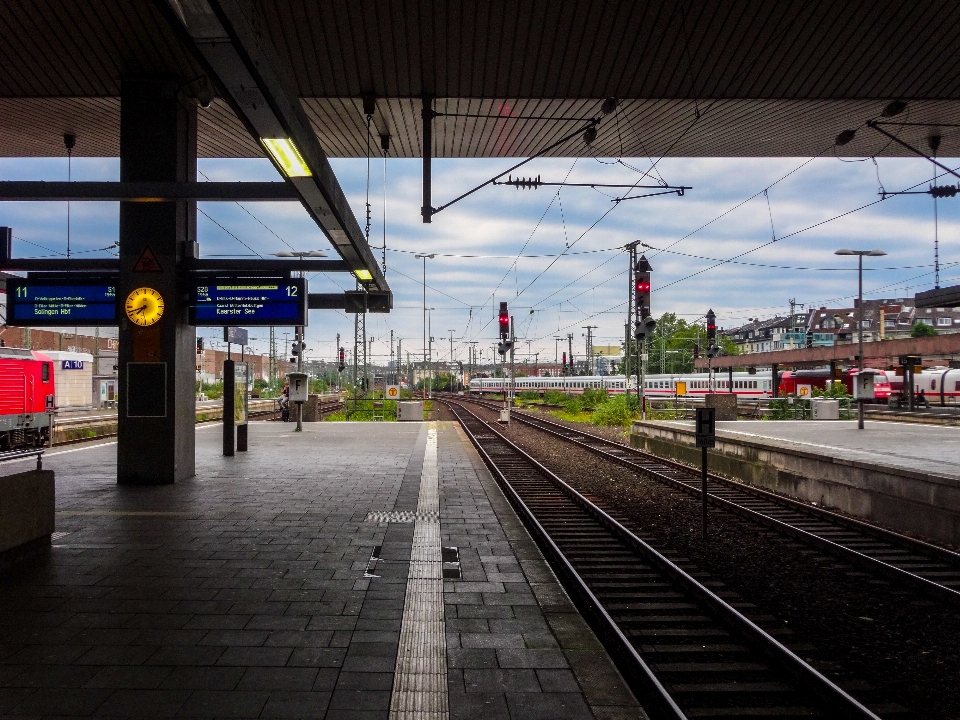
(45, 372)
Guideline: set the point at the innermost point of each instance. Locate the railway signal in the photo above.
(711, 326)
(642, 287)
(341, 365)
(504, 346)
(199, 346)
(645, 329)
(696, 352)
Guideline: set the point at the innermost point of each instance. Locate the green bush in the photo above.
(613, 412)
(555, 397)
(593, 397)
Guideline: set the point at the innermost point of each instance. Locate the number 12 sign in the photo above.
(243, 302)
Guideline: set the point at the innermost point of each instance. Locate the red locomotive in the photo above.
(27, 399)
(802, 382)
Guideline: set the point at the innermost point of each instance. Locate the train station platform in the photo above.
(301, 579)
(905, 476)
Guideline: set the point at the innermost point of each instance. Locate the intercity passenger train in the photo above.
(695, 385)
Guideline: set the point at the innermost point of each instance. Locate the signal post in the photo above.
(644, 324)
(506, 345)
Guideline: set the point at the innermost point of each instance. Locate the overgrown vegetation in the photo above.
(594, 406)
(797, 408)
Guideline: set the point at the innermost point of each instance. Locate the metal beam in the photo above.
(60, 265)
(351, 301)
(939, 297)
(939, 346)
(148, 191)
(229, 39)
(273, 266)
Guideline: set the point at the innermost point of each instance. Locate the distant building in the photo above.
(882, 319)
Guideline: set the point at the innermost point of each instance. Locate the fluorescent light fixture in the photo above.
(363, 275)
(286, 155)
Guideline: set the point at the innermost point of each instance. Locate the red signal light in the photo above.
(504, 322)
(643, 287)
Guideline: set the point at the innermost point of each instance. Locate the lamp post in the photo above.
(430, 352)
(860, 254)
(424, 257)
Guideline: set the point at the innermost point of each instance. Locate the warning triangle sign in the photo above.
(147, 262)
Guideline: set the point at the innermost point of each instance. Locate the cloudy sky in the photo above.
(557, 258)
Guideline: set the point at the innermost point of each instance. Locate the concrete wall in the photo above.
(900, 499)
(28, 502)
(74, 387)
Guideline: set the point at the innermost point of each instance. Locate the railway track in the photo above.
(928, 568)
(687, 652)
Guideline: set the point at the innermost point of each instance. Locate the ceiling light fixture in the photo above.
(286, 155)
(894, 108)
(845, 137)
(363, 275)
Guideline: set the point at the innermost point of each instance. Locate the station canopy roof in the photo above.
(694, 78)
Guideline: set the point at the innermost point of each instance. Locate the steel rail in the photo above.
(642, 675)
(689, 482)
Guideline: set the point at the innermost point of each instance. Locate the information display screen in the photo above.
(54, 301)
(248, 301)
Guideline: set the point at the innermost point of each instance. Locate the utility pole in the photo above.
(336, 351)
(589, 349)
(393, 365)
(631, 310)
(570, 351)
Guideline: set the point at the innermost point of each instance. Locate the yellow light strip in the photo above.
(285, 153)
(363, 274)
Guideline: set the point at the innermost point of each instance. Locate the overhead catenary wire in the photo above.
(784, 237)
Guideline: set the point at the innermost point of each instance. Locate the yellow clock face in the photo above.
(144, 306)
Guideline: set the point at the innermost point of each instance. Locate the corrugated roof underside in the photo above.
(779, 78)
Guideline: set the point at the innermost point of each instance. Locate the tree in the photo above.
(922, 330)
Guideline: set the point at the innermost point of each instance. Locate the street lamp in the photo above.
(429, 355)
(860, 254)
(425, 257)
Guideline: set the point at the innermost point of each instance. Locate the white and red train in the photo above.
(757, 385)
(696, 385)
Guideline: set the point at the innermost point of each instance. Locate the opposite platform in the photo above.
(904, 476)
(274, 584)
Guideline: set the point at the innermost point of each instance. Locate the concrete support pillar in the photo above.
(158, 142)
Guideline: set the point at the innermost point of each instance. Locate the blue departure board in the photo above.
(248, 302)
(55, 301)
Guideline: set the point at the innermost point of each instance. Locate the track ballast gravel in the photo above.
(887, 645)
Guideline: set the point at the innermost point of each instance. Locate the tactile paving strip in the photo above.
(402, 516)
(420, 680)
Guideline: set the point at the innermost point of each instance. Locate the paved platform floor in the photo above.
(931, 449)
(252, 590)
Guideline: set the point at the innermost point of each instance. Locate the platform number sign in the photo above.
(706, 429)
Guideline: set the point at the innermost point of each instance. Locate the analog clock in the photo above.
(144, 306)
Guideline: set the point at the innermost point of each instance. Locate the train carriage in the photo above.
(666, 386)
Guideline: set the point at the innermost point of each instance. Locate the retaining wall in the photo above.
(905, 500)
